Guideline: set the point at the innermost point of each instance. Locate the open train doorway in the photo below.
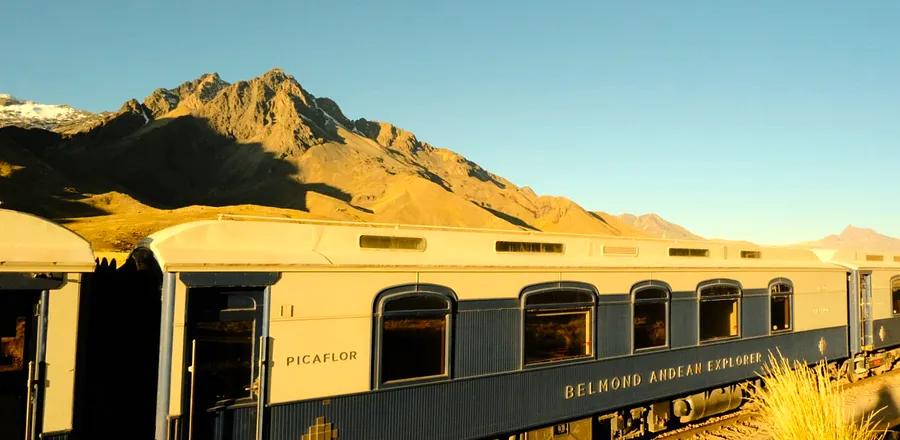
(865, 310)
(223, 378)
(19, 363)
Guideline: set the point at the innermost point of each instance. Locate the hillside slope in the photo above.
(262, 142)
(656, 226)
(856, 238)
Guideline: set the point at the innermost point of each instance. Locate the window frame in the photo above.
(739, 296)
(790, 296)
(654, 285)
(895, 281)
(406, 291)
(547, 288)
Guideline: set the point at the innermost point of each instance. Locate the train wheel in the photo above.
(852, 374)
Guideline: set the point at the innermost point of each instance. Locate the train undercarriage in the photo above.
(655, 418)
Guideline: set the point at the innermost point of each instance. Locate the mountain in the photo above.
(260, 146)
(656, 226)
(854, 237)
(29, 114)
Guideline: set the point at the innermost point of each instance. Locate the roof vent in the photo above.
(688, 252)
(621, 251)
(751, 254)
(529, 247)
(874, 257)
(391, 242)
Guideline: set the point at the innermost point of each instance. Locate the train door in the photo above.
(865, 310)
(226, 337)
(19, 364)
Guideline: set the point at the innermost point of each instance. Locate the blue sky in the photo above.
(769, 121)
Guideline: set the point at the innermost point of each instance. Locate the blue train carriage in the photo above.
(873, 286)
(279, 329)
(41, 266)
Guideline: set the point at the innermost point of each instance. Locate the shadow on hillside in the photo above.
(328, 190)
(29, 184)
(602, 220)
(181, 163)
(509, 218)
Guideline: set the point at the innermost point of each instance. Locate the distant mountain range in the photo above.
(859, 238)
(266, 146)
(210, 146)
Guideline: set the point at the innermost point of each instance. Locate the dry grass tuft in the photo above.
(798, 402)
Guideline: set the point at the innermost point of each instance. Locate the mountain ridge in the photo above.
(856, 237)
(654, 225)
(265, 141)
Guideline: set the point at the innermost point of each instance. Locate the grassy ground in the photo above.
(799, 402)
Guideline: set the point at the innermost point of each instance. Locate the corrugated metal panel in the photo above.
(684, 327)
(487, 340)
(235, 423)
(497, 404)
(613, 324)
(243, 423)
(755, 313)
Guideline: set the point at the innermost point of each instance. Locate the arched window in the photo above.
(557, 323)
(720, 310)
(414, 325)
(781, 293)
(650, 306)
(895, 295)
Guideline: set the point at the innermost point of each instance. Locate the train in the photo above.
(245, 327)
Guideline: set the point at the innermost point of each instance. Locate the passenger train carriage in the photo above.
(253, 328)
(41, 267)
(873, 281)
(304, 330)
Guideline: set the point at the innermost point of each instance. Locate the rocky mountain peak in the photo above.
(856, 237)
(200, 90)
(265, 145)
(276, 75)
(857, 232)
(391, 136)
(131, 106)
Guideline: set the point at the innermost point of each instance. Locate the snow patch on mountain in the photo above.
(24, 113)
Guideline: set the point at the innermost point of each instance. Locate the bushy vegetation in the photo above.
(799, 402)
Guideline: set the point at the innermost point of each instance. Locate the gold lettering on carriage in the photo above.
(664, 374)
(320, 358)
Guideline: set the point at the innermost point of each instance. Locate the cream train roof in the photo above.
(31, 244)
(235, 243)
(861, 258)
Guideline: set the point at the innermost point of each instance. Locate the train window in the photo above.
(688, 252)
(415, 333)
(650, 315)
(391, 242)
(895, 295)
(529, 247)
(557, 325)
(780, 298)
(720, 303)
